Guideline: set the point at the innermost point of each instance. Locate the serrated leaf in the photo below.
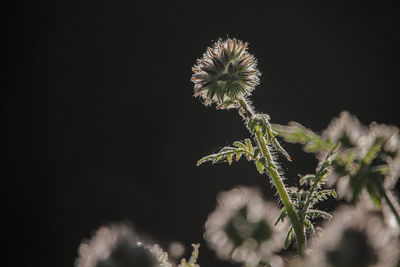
(217, 158)
(306, 179)
(240, 145)
(260, 167)
(282, 216)
(204, 159)
(288, 238)
(334, 194)
(229, 158)
(318, 214)
(296, 133)
(238, 155)
(309, 226)
(249, 146)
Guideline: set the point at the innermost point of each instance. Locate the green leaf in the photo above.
(240, 145)
(309, 226)
(289, 237)
(296, 133)
(238, 155)
(334, 194)
(249, 146)
(229, 158)
(318, 214)
(374, 194)
(218, 157)
(204, 159)
(260, 167)
(282, 216)
(307, 179)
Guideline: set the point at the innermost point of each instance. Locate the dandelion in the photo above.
(242, 227)
(117, 246)
(225, 73)
(355, 238)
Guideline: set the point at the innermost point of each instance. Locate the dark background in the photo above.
(99, 123)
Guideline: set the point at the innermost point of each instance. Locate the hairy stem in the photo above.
(277, 180)
(389, 200)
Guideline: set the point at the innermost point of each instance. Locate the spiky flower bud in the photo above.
(225, 73)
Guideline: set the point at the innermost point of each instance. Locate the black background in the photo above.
(99, 123)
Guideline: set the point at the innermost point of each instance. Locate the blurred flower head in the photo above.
(385, 212)
(176, 250)
(355, 237)
(242, 227)
(345, 129)
(117, 246)
(225, 73)
(367, 155)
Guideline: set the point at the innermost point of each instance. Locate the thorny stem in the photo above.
(277, 180)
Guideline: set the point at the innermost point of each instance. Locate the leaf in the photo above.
(260, 167)
(249, 146)
(204, 159)
(229, 158)
(309, 226)
(374, 194)
(289, 237)
(282, 216)
(240, 145)
(296, 133)
(318, 214)
(238, 155)
(334, 194)
(307, 179)
(193, 258)
(278, 147)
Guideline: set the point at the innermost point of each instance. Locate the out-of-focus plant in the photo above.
(368, 159)
(116, 245)
(357, 236)
(193, 258)
(242, 228)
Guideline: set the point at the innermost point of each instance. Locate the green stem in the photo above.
(388, 201)
(277, 180)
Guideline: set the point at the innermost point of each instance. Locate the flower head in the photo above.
(117, 246)
(345, 129)
(355, 237)
(225, 73)
(242, 227)
(366, 155)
